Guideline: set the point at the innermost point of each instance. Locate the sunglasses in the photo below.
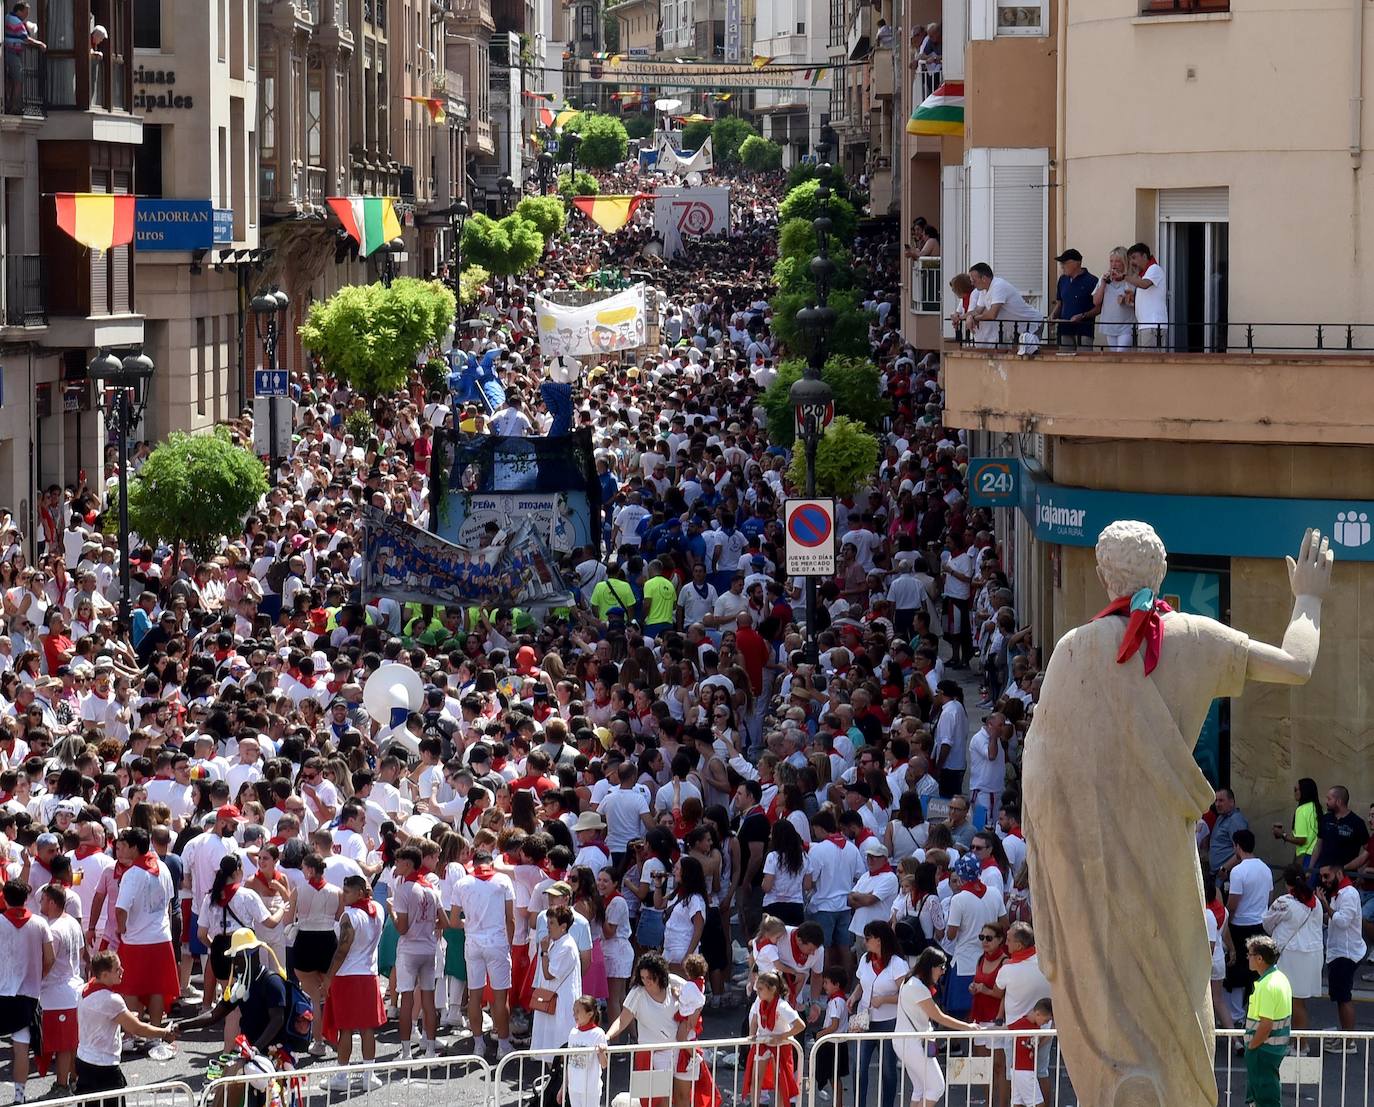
(987, 937)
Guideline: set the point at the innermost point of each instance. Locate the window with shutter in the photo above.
(100, 263)
(1018, 229)
(122, 258)
(955, 25)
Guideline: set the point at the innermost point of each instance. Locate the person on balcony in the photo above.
(18, 38)
(1146, 278)
(997, 309)
(1114, 300)
(1073, 302)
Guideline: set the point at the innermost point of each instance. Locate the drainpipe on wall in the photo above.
(1356, 82)
(1060, 121)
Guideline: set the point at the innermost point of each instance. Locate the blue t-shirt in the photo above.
(139, 625)
(1075, 295)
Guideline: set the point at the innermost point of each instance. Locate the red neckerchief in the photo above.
(1015, 832)
(120, 868)
(18, 916)
(768, 1013)
(85, 850)
(277, 840)
(885, 867)
(366, 904)
(1143, 628)
(483, 872)
(1344, 883)
(227, 894)
(772, 811)
(862, 836)
(1306, 896)
(977, 887)
(599, 844)
(763, 943)
(593, 1025)
(148, 863)
(93, 986)
(549, 871)
(839, 841)
(879, 965)
(471, 816)
(316, 882)
(797, 955)
(988, 863)
(419, 876)
(163, 775)
(757, 809)
(281, 807)
(497, 764)
(1021, 955)
(1218, 912)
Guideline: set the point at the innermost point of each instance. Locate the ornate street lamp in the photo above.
(268, 307)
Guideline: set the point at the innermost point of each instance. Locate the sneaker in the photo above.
(20, 1093)
(1342, 1045)
(429, 1050)
(192, 995)
(372, 1081)
(339, 1082)
(317, 1048)
(405, 1051)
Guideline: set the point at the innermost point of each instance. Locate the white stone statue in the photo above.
(1111, 797)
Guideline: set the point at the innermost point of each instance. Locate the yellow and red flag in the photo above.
(760, 60)
(435, 107)
(97, 220)
(610, 213)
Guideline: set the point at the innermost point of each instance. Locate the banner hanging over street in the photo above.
(692, 211)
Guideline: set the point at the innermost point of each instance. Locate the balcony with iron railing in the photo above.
(316, 177)
(25, 303)
(473, 13)
(27, 97)
(1218, 382)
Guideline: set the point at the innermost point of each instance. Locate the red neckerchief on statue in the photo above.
(1143, 628)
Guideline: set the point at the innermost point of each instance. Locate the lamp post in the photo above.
(572, 140)
(506, 187)
(810, 394)
(545, 172)
(123, 375)
(460, 213)
(267, 309)
(392, 249)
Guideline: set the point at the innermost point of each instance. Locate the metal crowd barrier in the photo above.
(465, 1082)
(168, 1093)
(1324, 1068)
(641, 1076)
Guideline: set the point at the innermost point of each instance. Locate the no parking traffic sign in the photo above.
(810, 538)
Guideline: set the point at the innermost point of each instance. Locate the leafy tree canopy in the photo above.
(470, 283)
(639, 125)
(801, 203)
(694, 134)
(505, 246)
(603, 144)
(760, 154)
(547, 213)
(809, 171)
(846, 456)
(853, 380)
(727, 136)
(196, 490)
(583, 184)
(371, 335)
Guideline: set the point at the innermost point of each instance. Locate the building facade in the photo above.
(195, 79)
(1243, 419)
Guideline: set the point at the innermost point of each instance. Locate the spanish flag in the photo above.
(760, 60)
(563, 116)
(610, 213)
(97, 220)
(369, 220)
(435, 107)
(940, 113)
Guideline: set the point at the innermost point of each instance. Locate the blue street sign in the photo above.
(173, 225)
(223, 226)
(994, 481)
(269, 382)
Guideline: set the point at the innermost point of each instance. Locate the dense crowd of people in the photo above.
(604, 822)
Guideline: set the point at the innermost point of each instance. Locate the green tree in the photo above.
(760, 154)
(694, 134)
(808, 171)
(853, 380)
(370, 335)
(846, 456)
(195, 490)
(547, 213)
(470, 283)
(849, 336)
(504, 247)
(639, 125)
(801, 203)
(604, 141)
(727, 136)
(583, 184)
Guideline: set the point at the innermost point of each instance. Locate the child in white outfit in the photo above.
(582, 1075)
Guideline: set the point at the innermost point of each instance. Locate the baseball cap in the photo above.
(229, 811)
(1070, 255)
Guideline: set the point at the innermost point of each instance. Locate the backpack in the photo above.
(911, 934)
(300, 1016)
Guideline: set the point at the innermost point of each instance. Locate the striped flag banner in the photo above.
(545, 96)
(97, 220)
(940, 113)
(369, 220)
(432, 104)
(563, 116)
(610, 213)
(813, 77)
(760, 60)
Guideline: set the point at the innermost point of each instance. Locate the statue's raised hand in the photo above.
(1310, 574)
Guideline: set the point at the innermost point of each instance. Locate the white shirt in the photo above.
(986, 774)
(21, 956)
(696, 605)
(1252, 881)
(1152, 304)
(418, 901)
(787, 886)
(510, 422)
(350, 844)
(885, 887)
(101, 1039)
(245, 909)
(367, 932)
(833, 871)
(62, 986)
(888, 982)
(951, 730)
(970, 914)
(1025, 986)
(1343, 937)
(483, 903)
(622, 809)
(145, 898)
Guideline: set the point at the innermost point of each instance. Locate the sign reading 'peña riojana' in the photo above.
(174, 225)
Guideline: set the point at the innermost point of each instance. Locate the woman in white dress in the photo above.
(653, 1006)
(615, 944)
(1294, 921)
(916, 1012)
(559, 970)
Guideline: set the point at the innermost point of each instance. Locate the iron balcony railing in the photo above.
(27, 96)
(25, 303)
(1179, 338)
